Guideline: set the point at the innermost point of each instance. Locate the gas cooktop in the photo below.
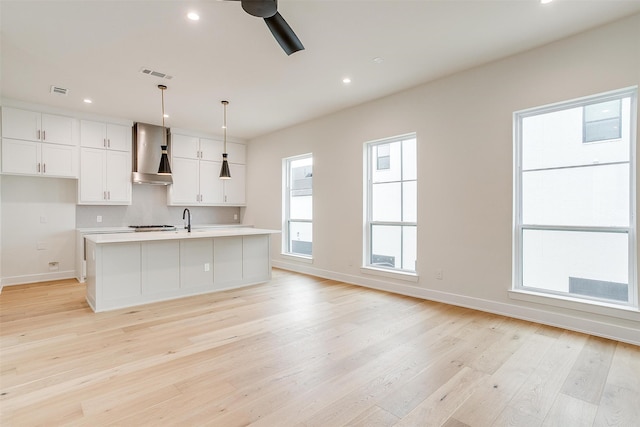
(153, 227)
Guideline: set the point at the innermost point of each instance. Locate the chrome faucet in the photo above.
(188, 213)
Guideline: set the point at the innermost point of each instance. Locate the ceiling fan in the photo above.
(268, 10)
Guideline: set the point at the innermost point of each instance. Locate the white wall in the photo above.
(465, 173)
(38, 227)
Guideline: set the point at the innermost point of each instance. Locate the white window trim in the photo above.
(367, 208)
(518, 291)
(286, 191)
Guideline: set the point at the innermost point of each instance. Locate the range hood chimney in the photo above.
(147, 142)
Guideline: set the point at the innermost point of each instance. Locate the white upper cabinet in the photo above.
(105, 163)
(105, 177)
(105, 135)
(35, 126)
(39, 159)
(195, 166)
(187, 147)
(192, 147)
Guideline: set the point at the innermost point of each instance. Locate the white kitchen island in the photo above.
(128, 269)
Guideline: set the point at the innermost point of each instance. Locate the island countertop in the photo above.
(179, 234)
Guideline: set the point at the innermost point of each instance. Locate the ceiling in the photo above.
(96, 50)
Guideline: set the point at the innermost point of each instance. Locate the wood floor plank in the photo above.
(299, 351)
(589, 374)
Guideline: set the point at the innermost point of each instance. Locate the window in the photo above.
(391, 204)
(298, 205)
(574, 202)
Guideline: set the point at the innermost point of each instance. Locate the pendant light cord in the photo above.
(224, 124)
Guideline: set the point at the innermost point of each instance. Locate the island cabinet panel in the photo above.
(120, 272)
(160, 268)
(227, 255)
(196, 264)
(256, 265)
(129, 269)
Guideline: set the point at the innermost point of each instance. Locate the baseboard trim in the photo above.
(560, 320)
(35, 278)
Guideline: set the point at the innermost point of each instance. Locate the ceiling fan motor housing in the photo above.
(260, 8)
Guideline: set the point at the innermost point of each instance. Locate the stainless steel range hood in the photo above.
(147, 140)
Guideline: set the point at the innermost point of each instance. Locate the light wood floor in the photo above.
(301, 351)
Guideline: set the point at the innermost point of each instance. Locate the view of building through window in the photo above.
(298, 205)
(391, 204)
(574, 199)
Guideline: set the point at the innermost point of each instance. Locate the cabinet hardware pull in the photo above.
(108, 143)
(104, 142)
(38, 167)
(108, 195)
(44, 168)
(38, 133)
(104, 195)
(44, 135)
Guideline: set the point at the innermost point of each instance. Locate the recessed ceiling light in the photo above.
(166, 116)
(87, 101)
(378, 60)
(545, 1)
(346, 80)
(193, 16)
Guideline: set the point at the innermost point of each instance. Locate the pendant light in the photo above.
(224, 171)
(164, 168)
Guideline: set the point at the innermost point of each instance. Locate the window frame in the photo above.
(368, 166)
(519, 227)
(286, 207)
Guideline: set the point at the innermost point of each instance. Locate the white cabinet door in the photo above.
(184, 190)
(234, 188)
(92, 175)
(237, 153)
(20, 124)
(57, 129)
(211, 149)
(160, 267)
(120, 272)
(20, 157)
(184, 146)
(119, 137)
(92, 134)
(118, 177)
(256, 266)
(211, 186)
(227, 261)
(59, 160)
(105, 135)
(196, 264)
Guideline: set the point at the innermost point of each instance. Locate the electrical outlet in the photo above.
(439, 274)
(99, 218)
(207, 267)
(54, 265)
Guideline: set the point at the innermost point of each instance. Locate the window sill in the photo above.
(594, 307)
(401, 275)
(300, 258)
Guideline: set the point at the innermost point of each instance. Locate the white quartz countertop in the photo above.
(179, 234)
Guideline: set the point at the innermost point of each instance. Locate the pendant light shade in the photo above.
(224, 170)
(165, 167)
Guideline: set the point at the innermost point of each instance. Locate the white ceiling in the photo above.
(96, 48)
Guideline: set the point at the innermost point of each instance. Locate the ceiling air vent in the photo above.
(150, 72)
(59, 90)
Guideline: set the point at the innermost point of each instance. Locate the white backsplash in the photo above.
(149, 206)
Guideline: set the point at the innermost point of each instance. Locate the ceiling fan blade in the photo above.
(283, 34)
